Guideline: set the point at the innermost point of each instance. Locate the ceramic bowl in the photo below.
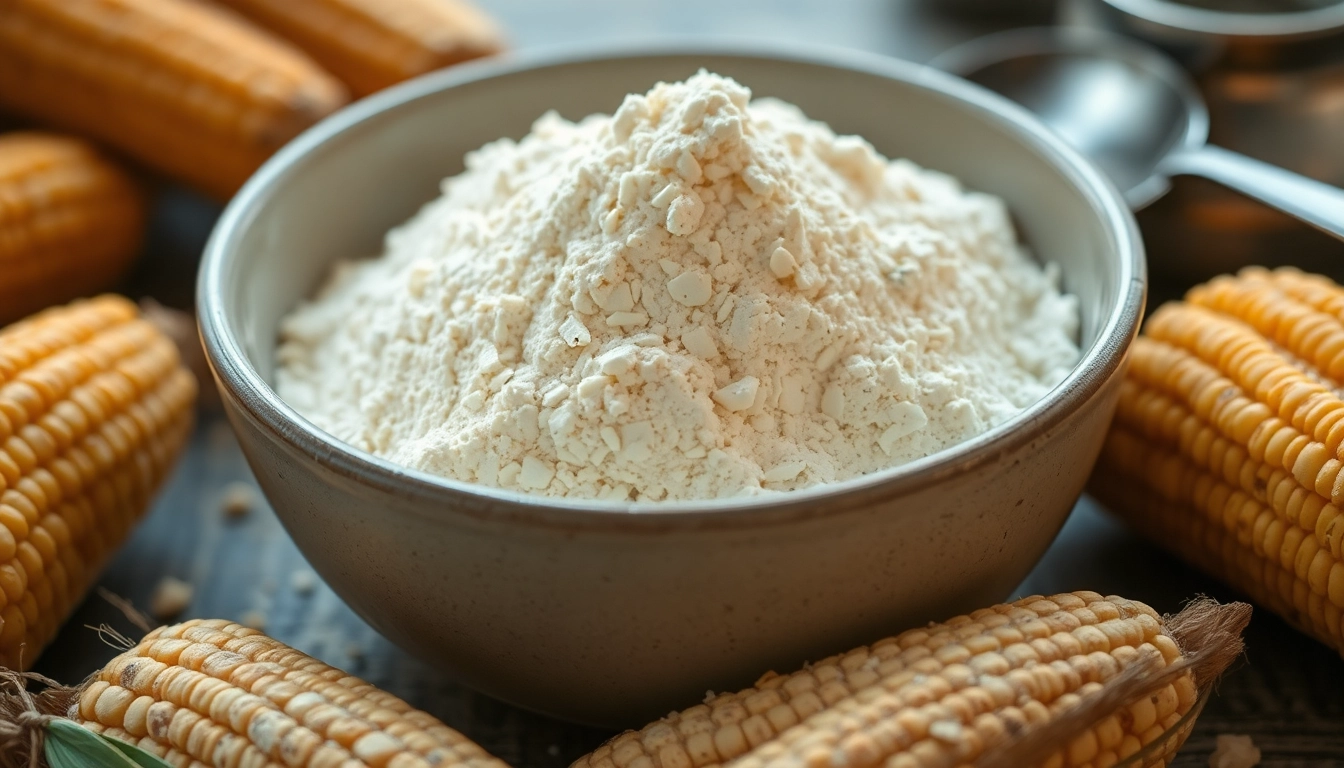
(612, 613)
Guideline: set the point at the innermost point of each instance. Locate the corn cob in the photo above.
(371, 44)
(70, 222)
(999, 685)
(1226, 446)
(214, 693)
(185, 87)
(1213, 546)
(94, 407)
(949, 694)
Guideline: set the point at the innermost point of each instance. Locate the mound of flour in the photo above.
(698, 296)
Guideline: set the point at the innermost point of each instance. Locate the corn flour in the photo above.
(699, 296)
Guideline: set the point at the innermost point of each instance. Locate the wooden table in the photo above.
(1287, 694)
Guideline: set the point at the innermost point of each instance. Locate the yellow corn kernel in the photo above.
(185, 87)
(1226, 446)
(70, 222)
(94, 408)
(371, 44)
(937, 695)
(214, 693)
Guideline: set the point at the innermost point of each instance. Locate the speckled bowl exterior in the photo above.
(612, 613)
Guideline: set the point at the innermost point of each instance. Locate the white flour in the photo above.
(693, 298)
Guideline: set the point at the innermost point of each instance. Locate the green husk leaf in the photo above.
(137, 755)
(70, 746)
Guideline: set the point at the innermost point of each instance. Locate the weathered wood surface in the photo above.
(1288, 695)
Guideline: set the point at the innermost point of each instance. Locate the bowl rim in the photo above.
(246, 391)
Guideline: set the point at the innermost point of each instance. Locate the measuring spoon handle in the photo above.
(1318, 204)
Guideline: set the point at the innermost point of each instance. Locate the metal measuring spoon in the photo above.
(1134, 113)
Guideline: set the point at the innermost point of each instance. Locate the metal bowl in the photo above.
(1274, 85)
(1212, 26)
(610, 613)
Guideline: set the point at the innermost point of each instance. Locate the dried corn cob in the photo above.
(185, 87)
(70, 222)
(214, 693)
(371, 44)
(949, 694)
(1227, 442)
(1226, 518)
(94, 407)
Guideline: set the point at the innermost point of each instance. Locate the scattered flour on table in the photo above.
(1234, 751)
(698, 296)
